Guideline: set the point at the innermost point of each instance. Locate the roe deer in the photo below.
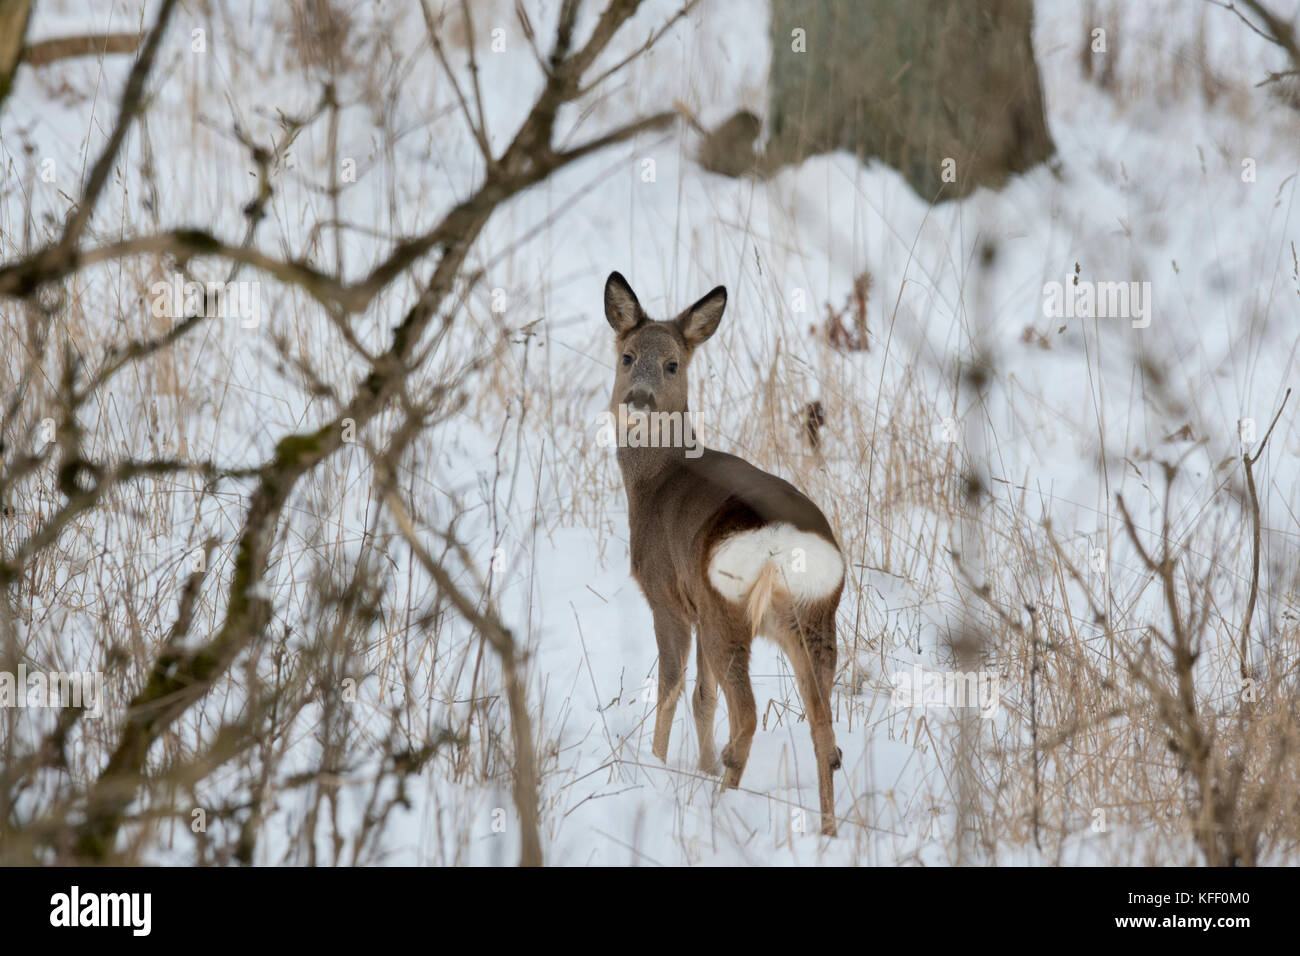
(722, 546)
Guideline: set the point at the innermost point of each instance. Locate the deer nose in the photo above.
(640, 399)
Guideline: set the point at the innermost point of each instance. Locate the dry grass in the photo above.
(371, 688)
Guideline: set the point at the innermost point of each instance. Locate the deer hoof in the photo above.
(731, 779)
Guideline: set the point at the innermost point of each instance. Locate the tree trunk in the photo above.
(14, 15)
(945, 91)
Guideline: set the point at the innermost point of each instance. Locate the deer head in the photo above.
(652, 356)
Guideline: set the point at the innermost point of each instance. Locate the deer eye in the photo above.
(672, 368)
(627, 359)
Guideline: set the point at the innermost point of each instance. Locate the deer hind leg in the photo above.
(673, 634)
(811, 648)
(705, 704)
(729, 660)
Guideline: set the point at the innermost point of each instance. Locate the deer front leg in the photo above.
(673, 635)
(705, 704)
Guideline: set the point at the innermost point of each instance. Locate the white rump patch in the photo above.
(810, 566)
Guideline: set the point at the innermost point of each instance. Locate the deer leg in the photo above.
(733, 672)
(705, 704)
(812, 652)
(674, 638)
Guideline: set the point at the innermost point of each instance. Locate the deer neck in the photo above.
(648, 457)
(645, 471)
(645, 468)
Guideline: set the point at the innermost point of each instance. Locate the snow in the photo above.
(1148, 187)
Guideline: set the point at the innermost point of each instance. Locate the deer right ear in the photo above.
(701, 320)
(622, 309)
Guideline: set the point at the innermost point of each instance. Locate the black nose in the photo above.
(640, 398)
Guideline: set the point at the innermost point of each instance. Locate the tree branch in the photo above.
(179, 678)
(45, 52)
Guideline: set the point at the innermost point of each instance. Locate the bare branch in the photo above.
(179, 678)
(132, 97)
(91, 44)
(644, 48)
(493, 631)
(1253, 500)
(475, 124)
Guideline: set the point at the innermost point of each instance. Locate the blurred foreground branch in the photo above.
(185, 668)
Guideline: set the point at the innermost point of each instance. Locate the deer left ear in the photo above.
(622, 310)
(701, 320)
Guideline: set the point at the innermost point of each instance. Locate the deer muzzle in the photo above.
(640, 400)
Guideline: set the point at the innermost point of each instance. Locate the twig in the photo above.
(132, 97)
(179, 679)
(1249, 461)
(91, 44)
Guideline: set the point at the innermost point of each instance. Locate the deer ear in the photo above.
(701, 320)
(622, 310)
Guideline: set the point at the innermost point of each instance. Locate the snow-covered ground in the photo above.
(1147, 187)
